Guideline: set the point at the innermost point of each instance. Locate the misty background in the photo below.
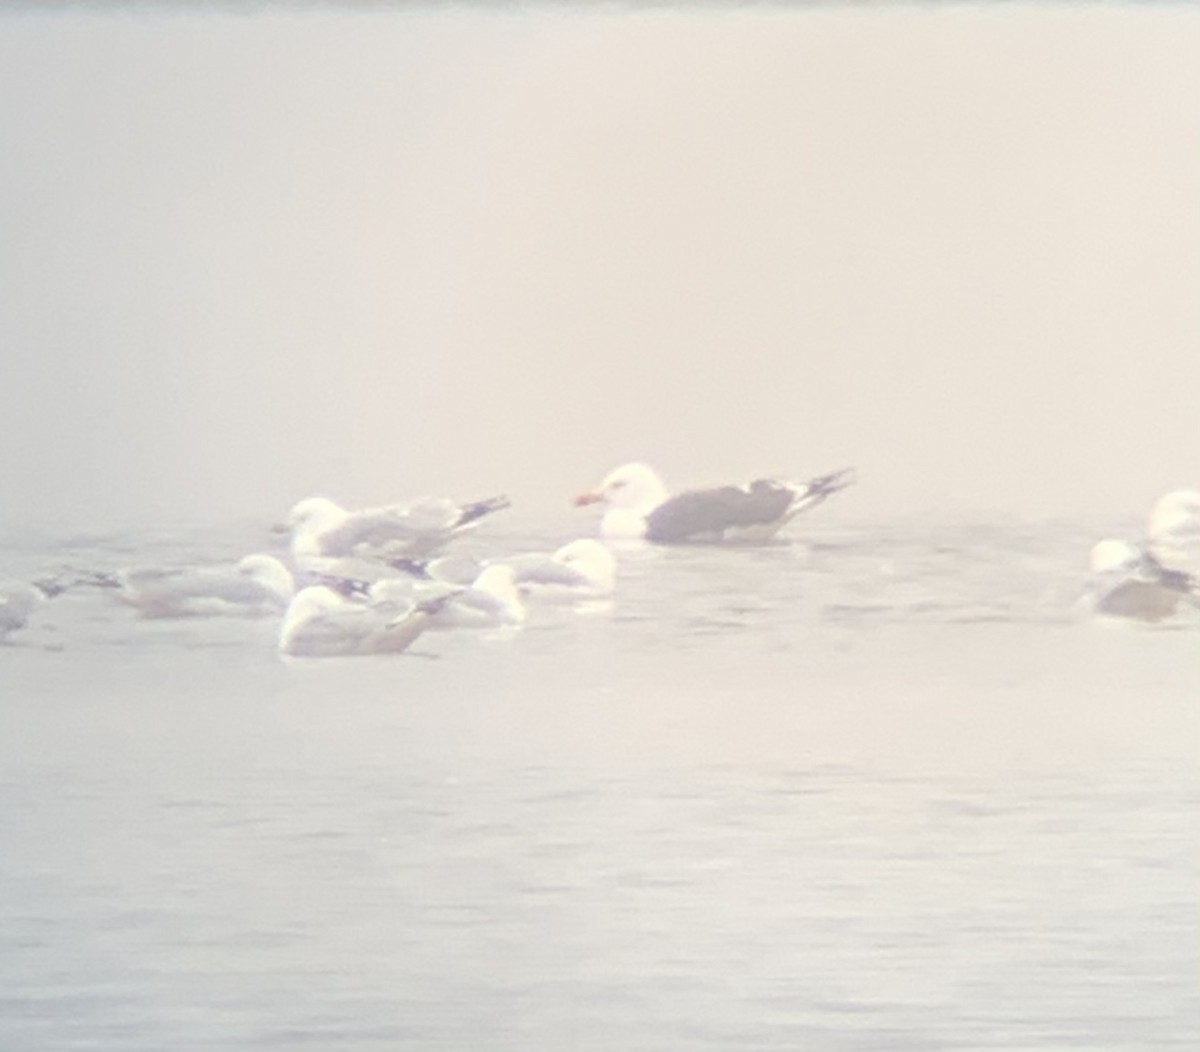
(373, 253)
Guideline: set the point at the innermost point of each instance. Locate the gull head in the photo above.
(631, 487)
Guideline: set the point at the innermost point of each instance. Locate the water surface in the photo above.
(882, 789)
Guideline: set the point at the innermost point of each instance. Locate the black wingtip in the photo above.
(476, 510)
(824, 485)
(418, 568)
(93, 579)
(347, 587)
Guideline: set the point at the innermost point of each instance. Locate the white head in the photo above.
(308, 519)
(1173, 531)
(629, 493)
(1111, 555)
(499, 580)
(307, 605)
(1176, 511)
(591, 559)
(631, 487)
(269, 572)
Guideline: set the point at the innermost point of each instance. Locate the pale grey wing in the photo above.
(429, 515)
(433, 522)
(339, 571)
(365, 630)
(370, 529)
(549, 572)
(463, 608)
(456, 570)
(483, 603)
(248, 593)
(323, 635)
(150, 577)
(197, 584)
(393, 597)
(333, 633)
(198, 593)
(397, 634)
(435, 592)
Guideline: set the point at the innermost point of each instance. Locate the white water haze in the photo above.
(251, 256)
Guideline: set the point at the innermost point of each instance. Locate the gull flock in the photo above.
(375, 580)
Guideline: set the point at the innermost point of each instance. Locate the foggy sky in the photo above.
(246, 258)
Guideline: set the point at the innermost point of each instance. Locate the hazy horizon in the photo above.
(374, 254)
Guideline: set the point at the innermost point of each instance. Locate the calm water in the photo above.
(882, 791)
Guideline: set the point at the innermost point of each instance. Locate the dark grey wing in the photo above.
(709, 513)
(1140, 599)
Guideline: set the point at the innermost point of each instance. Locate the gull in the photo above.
(320, 528)
(323, 623)
(257, 585)
(637, 504)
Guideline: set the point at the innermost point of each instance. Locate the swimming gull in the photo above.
(491, 600)
(1128, 581)
(256, 586)
(321, 622)
(637, 504)
(582, 570)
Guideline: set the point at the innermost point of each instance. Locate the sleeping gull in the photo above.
(637, 504)
(1159, 576)
(323, 623)
(256, 586)
(1153, 579)
(582, 570)
(321, 528)
(1128, 581)
(491, 600)
(19, 601)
